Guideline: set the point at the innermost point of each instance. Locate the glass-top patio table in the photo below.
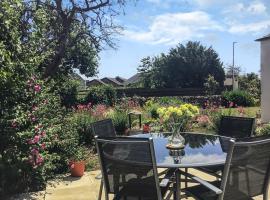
(200, 150)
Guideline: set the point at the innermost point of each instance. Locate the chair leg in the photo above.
(186, 179)
(266, 192)
(100, 190)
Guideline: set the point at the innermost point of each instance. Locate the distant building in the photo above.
(115, 82)
(95, 82)
(229, 82)
(134, 79)
(120, 79)
(112, 81)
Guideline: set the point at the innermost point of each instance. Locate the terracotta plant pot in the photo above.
(77, 168)
(146, 128)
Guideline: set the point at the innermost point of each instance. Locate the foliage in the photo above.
(251, 83)
(168, 101)
(68, 34)
(151, 108)
(176, 119)
(120, 120)
(36, 139)
(238, 98)
(68, 92)
(211, 85)
(183, 67)
(101, 95)
(78, 153)
(263, 130)
(215, 113)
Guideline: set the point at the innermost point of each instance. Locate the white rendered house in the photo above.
(265, 77)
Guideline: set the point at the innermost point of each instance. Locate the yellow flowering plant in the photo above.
(176, 118)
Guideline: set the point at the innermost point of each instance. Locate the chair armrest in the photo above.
(203, 182)
(99, 176)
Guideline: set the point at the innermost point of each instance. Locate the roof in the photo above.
(120, 79)
(134, 79)
(96, 80)
(266, 37)
(112, 80)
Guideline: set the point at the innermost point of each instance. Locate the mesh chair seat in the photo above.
(202, 193)
(134, 188)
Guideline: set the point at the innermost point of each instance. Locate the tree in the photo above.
(251, 83)
(184, 66)
(236, 70)
(211, 85)
(69, 33)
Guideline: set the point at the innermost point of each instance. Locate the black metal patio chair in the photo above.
(234, 127)
(246, 174)
(129, 169)
(103, 128)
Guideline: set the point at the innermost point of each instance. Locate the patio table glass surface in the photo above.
(200, 150)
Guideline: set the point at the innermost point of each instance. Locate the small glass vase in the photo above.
(176, 141)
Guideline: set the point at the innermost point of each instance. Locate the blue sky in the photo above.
(154, 26)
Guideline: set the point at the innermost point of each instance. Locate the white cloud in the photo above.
(172, 28)
(256, 27)
(253, 8)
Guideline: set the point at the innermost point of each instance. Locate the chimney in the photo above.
(265, 77)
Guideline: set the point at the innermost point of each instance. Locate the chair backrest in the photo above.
(129, 167)
(246, 172)
(103, 128)
(236, 127)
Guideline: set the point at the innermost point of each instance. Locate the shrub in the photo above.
(238, 98)
(35, 140)
(263, 130)
(168, 101)
(120, 120)
(68, 93)
(151, 108)
(101, 95)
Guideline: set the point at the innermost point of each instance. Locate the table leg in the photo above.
(177, 187)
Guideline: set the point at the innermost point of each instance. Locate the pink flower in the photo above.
(34, 151)
(36, 138)
(37, 88)
(231, 104)
(14, 124)
(30, 141)
(43, 145)
(34, 108)
(39, 160)
(43, 133)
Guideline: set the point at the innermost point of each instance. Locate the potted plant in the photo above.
(77, 161)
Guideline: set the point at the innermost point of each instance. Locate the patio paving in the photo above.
(84, 188)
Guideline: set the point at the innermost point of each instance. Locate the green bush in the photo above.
(120, 120)
(263, 130)
(101, 95)
(238, 98)
(68, 93)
